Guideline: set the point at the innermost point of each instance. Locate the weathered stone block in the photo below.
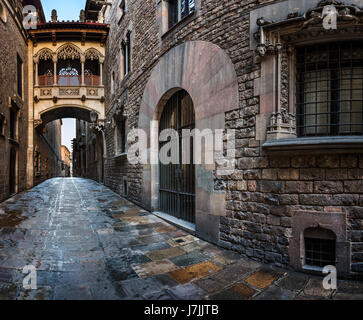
(299, 187)
(349, 161)
(269, 174)
(303, 162)
(270, 186)
(245, 163)
(288, 174)
(273, 220)
(315, 199)
(280, 162)
(328, 161)
(353, 186)
(312, 174)
(328, 187)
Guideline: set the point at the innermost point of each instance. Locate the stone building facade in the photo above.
(66, 161)
(13, 99)
(87, 152)
(14, 102)
(256, 67)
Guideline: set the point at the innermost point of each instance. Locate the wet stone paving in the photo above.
(88, 243)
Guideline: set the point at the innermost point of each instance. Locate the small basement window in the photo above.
(320, 247)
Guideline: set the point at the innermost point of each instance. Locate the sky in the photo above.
(66, 10)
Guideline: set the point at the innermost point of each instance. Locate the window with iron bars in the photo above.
(330, 89)
(179, 9)
(320, 247)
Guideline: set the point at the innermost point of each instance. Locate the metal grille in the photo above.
(177, 181)
(330, 89)
(319, 252)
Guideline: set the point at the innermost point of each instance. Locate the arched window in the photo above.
(69, 71)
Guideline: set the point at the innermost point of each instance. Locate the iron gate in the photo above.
(177, 181)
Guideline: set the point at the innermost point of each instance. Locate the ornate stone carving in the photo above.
(92, 92)
(69, 51)
(37, 122)
(69, 91)
(45, 54)
(45, 92)
(92, 54)
(54, 16)
(268, 36)
(335, 9)
(282, 124)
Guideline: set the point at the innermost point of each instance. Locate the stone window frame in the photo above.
(3, 14)
(19, 82)
(120, 126)
(2, 124)
(335, 222)
(122, 9)
(274, 43)
(163, 17)
(126, 55)
(15, 110)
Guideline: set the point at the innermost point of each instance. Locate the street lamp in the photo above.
(94, 116)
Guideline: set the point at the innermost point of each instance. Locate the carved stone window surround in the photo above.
(275, 50)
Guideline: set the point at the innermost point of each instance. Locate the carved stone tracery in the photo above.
(92, 54)
(45, 54)
(69, 51)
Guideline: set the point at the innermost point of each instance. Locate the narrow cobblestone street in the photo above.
(88, 243)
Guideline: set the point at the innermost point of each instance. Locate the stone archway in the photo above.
(206, 72)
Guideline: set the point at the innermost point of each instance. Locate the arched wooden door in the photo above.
(177, 181)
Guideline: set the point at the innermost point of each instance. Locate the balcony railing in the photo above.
(92, 81)
(70, 81)
(45, 81)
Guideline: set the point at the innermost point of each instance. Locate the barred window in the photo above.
(320, 247)
(330, 89)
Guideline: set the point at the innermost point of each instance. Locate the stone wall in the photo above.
(48, 143)
(13, 42)
(263, 193)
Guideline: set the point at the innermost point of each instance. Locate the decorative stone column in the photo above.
(55, 60)
(36, 63)
(102, 60)
(83, 61)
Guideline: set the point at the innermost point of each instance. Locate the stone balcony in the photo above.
(69, 92)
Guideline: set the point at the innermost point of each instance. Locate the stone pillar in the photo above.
(102, 60)
(83, 60)
(30, 151)
(55, 60)
(36, 63)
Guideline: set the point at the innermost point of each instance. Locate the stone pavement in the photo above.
(88, 243)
